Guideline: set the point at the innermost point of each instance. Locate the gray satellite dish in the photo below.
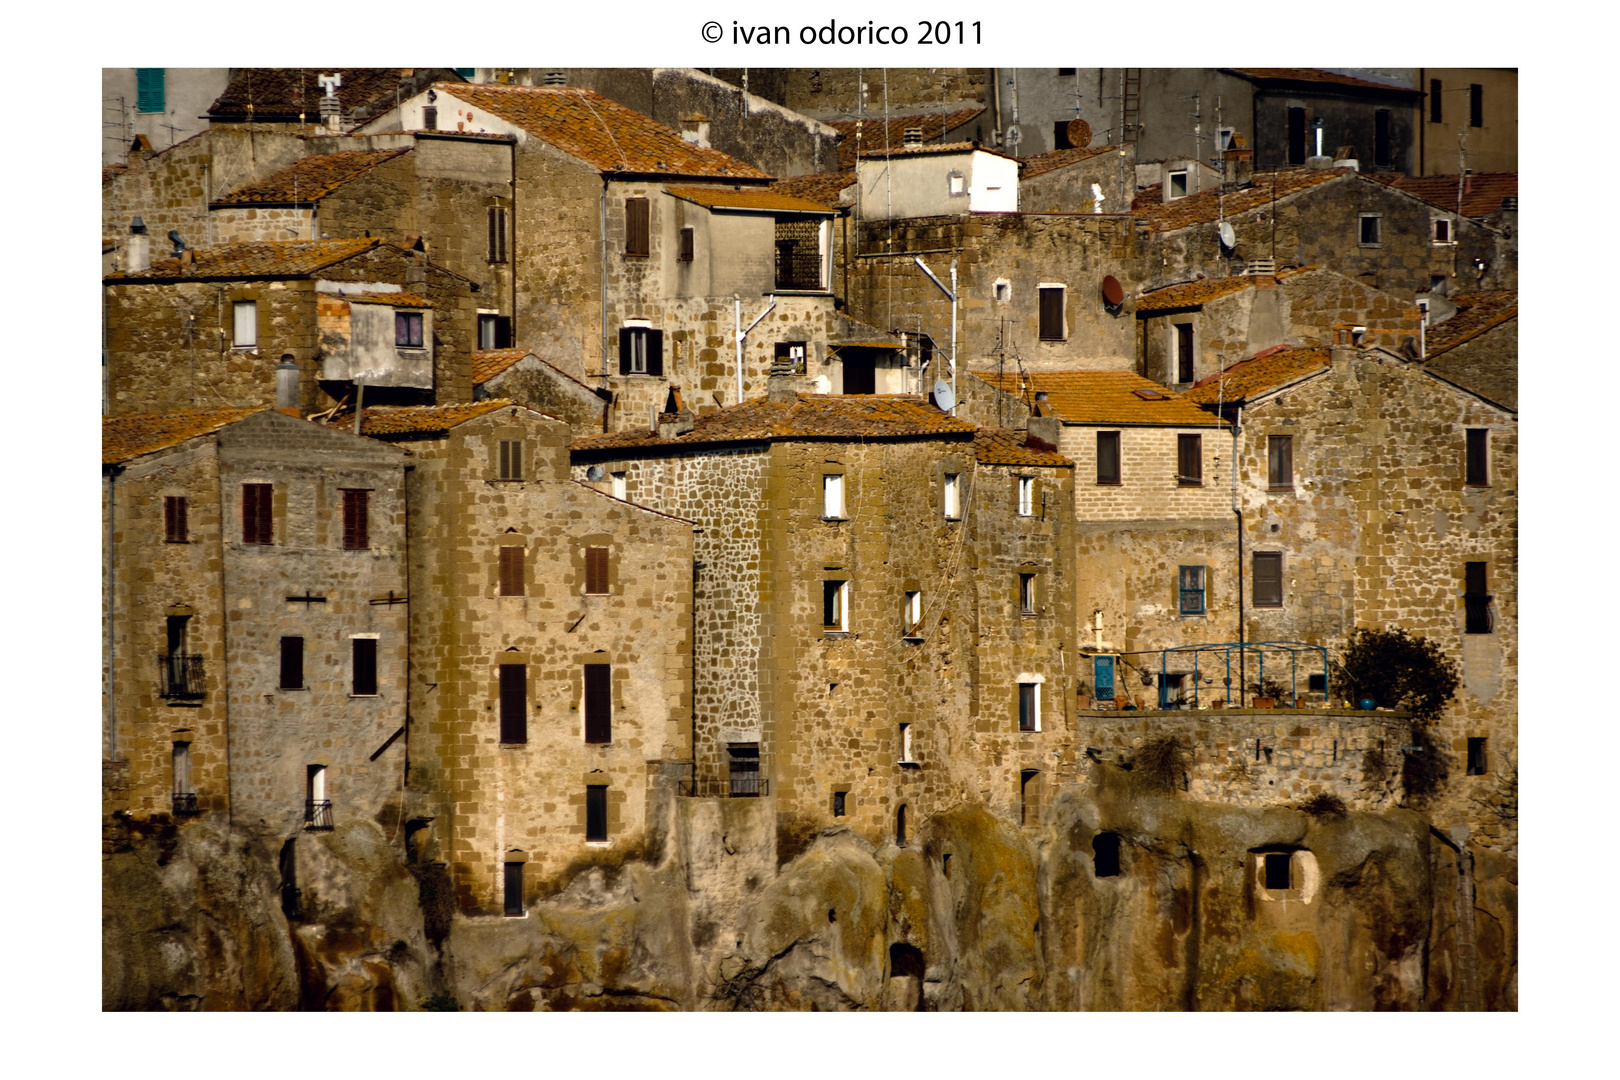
(594, 473)
(1228, 237)
(943, 397)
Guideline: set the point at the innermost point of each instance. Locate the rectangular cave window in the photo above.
(364, 667)
(1316, 684)
(900, 825)
(1476, 756)
(1105, 854)
(840, 803)
(514, 888)
(1279, 870)
(514, 703)
(292, 663)
(598, 703)
(596, 817)
(1029, 797)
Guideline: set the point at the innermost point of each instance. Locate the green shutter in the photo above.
(149, 90)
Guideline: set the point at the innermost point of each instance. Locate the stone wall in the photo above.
(852, 91)
(1069, 189)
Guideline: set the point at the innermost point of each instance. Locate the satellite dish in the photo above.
(1228, 236)
(1112, 291)
(594, 473)
(1079, 133)
(943, 397)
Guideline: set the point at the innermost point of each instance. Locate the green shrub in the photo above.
(1398, 671)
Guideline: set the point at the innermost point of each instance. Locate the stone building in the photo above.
(1473, 341)
(164, 106)
(1481, 105)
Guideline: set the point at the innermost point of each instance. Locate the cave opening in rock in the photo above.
(905, 960)
(1278, 870)
(1105, 854)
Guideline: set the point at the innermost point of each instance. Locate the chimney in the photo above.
(676, 419)
(780, 388)
(331, 108)
(1043, 433)
(287, 385)
(139, 248)
(554, 78)
(1239, 168)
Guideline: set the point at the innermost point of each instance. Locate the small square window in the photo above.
(494, 331)
(408, 329)
(1279, 870)
(956, 183)
(1370, 230)
(245, 324)
(1003, 291)
(790, 355)
(1178, 184)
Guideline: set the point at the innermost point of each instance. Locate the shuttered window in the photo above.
(1189, 460)
(598, 703)
(641, 351)
(637, 228)
(596, 823)
(511, 571)
(430, 118)
(174, 519)
(511, 459)
(1051, 313)
(292, 663)
(1479, 462)
(365, 666)
(149, 90)
(1280, 462)
(514, 703)
(1268, 590)
(496, 252)
(356, 520)
(688, 246)
(596, 570)
(256, 516)
(1107, 457)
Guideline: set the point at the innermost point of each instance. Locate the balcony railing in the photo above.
(318, 815)
(185, 803)
(737, 786)
(182, 677)
(1477, 613)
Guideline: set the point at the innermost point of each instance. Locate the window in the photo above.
(1170, 684)
(1177, 185)
(1381, 153)
(743, 770)
(1369, 230)
(408, 329)
(1051, 312)
(181, 761)
(1296, 136)
(598, 703)
(1107, 457)
(840, 803)
(637, 228)
(596, 818)
(1278, 870)
(1316, 684)
(1184, 352)
(510, 459)
(1442, 230)
(174, 519)
(256, 516)
(688, 245)
(1476, 601)
(955, 183)
(1268, 579)
(1060, 135)
(514, 888)
(790, 356)
(1026, 496)
(1280, 462)
(596, 569)
(900, 825)
(1029, 706)
(1105, 854)
(1065, 71)
(149, 90)
(364, 683)
(1223, 138)
(1026, 594)
(953, 496)
(1436, 110)
(245, 324)
(1190, 585)
(1476, 756)
(496, 250)
(494, 331)
(621, 486)
(1476, 105)
(835, 606)
(317, 807)
(641, 351)
(430, 118)
(1002, 291)
(510, 571)
(1190, 460)
(1029, 797)
(911, 614)
(292, 663)
(905, 743)
(356, 520)
(514, 702)
(1478, 465)
(832, 495)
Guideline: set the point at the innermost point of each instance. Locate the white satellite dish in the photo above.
(595, 472)
(943, 397)
(1228, 236)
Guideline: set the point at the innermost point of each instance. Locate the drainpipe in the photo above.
(995, 87)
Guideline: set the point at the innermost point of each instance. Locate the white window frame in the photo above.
(953, 496)
(1001, 290)
(841, 609)
(1170, 181)
(1035, 695)
(1027, 593)
(1026, 496)
(621, 486)
(1437, 225)
(956, 184)
(244, 332)
(911, 614)
(833, 507)
(905, 745)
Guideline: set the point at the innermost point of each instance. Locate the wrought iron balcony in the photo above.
(318, 815)
(182, 677)
(185, 803)
(736, 786)
(1477, 614)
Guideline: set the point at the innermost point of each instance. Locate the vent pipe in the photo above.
(287, 385)
(139, 248)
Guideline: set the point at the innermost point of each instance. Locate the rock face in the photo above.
(1122, 898)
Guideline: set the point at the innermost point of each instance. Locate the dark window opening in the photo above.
(1107, 457)
(1052, 313)
(1178, 185)
(596, 816)
(1268, 590)
(860, 374)
(256, 514)
(1029, 797)
(1316, 684)
(743, 766)
(496, 248)
(1184, 352)
(839, 803)
(637, 228)
(511, 571)
(1060, 134)
(789, 357)
(641, 351)
(1170, 689)
(1369, 228)
(1476, 600)
(1280, 462)
(514, 703)
(356, 520)
(514, 888)
(1381, 151)
(1279, 870)
(1436, 109)
(1477, 465)
(1190, 460)
(174, 519)
(1105, 854)
(688, 245)
(598, 703)
(833, 598)
(1296, 136)
(1065, 71)
(1476, 105)
(1026, 594)
(945, 864)
(906, 961)
(1028, 717)
(408, 329)
(1476, 756)
(900, 825)
(292, 663)
(596, 569)
(365, 666)
(430, 118)
(494, 331)
(288, 865)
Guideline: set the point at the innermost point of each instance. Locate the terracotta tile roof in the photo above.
(599, 131)
(877, 134)
(311, 179)
(1261, 372)
(282, 93)
(754, 199)
(416, 421)
(1056, 159)
(1476, 313)
(1204, 207)
(1009, 446)
(256, 259)
(392, 299)
(133, 434)
(824, 188)
(806, 416)
(1483, 193)
(1194, 293)
(488, 363)
(1317, 75)
(1102, 397)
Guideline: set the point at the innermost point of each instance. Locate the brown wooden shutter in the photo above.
(655, 352)
(1052, 314)
(356, 524)
(688, 247)
(365, 665)
(514, 700)
(256, 514)
(596, 570)
(511, 459)
(292, 663)
(1478, 461)
(1268, 579)
(598, 703)
(511, 571)
(637, 230)
(596, 818)
(174, 519)
(1190, 459)
(1107, 457)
